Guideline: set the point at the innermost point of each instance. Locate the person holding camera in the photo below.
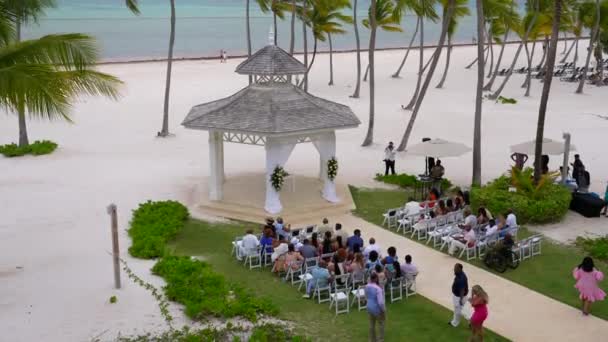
(389, 158)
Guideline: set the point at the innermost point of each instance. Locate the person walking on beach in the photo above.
(225, 56)
(587, 279)
(389, 159)
(460, 291)
(375, 308)
(479, 302)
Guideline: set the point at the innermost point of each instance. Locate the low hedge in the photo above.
(550, 204)
(595, 247)
(37, 148)
(408, 181)
(153, 224)
(202, 291)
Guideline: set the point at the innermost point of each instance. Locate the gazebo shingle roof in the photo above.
(273, 109)
(271, 60)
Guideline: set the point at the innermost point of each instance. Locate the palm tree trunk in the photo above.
(575, 53)
(312, 61)
(444, 30)
(428, 63)
(305, 41)
(542, 60)
(23, 139)
(489, 85)
(369, 137)
(540, 128)
(248, 34)
(528, 80)
(476, 59)
(276, 32)
(594, 36)
(565, 58)
(565, 43)
(292, 40)
(447, 64)
(409, 48)
(331, 60)
(491, 46)
(412, 103)
(478, 99)
(358, 43)
(165, 129)
(523, 43)
(366, 73)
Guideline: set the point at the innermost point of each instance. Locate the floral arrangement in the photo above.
(278, 178)
(332, 168)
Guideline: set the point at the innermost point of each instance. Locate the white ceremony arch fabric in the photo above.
(278, 151)
(326, 145)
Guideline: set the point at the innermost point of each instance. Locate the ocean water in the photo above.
(203, 28)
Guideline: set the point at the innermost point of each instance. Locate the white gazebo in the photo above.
(274, 113)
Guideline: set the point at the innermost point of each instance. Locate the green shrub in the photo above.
(597, 248)
(273, 333)
(408, 181)
(545, 204)
(204, 292)
(153, 224)
(506, 100)
(37, 148)
(184, 335)
(113, 300)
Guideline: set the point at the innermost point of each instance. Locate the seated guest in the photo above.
(279, 251)
(460, 199)
(338, 244)
(441, 208)
(458, 203)
(511, 219)
(409, 270)
(336, 267)
(267, 241)
(379, 270)
(467, 241)
(270, 224)
(482, 216)
(371, 247)
(492, 228)
(395, 270)
(340, 232)
(297, 244)
(292, 258)
(470, 221)
(392, 256)
(449, 204)
(355, 239)
(314, 240)
(412, 207)
(320, 276)
(326, 246)
(281, 229)
(248, 245)
(431, 200)
(357, 268)
(373, 260)
(325, 227)
(308, 251)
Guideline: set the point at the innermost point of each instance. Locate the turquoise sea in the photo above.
(204, 27)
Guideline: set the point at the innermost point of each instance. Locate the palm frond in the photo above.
(25, 11)
(133, 6)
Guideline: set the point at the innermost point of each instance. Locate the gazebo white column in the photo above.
(326, 145)
(277, 153)
(216, 166)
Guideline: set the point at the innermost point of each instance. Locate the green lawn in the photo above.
(414, 319)
(549, 273)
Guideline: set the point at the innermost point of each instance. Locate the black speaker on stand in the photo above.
(428, 161)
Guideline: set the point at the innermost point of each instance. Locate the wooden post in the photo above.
(566, 157)
(115, 250)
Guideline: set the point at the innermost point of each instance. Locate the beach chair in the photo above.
(339, 294)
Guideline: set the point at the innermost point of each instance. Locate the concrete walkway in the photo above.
(516, 312)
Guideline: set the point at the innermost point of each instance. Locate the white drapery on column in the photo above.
(216, 166)
(326, 145)
(277, 153)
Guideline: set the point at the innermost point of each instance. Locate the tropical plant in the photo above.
(551, 56)
(277, 178)
(461, 10)
(164, 132)
(504, 19)
(383, 14)
(425, 10)
(437, 54)
(278, 9)
(41, 77)
(133, 6)
(390, 14)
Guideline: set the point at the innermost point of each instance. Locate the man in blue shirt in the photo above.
(460, 291)
(354, 240)
(320, 274)
(375, 308)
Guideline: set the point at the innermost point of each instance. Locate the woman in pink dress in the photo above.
(587, 279)
(479, 302)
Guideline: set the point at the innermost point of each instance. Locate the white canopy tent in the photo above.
(438, 148)
(550, 147)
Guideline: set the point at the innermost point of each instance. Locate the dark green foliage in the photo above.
(597, 248)
(407, 181)
(113, 300)
(153, 224)
(204, 292)
(546, 204)
(274, 333)
(506, 100)
(37, 148)
(184, 335)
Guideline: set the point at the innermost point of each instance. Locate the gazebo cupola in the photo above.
(274, 113)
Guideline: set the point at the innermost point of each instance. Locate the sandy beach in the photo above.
(55, 265)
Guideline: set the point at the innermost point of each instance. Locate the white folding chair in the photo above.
(304, 279)
(395, 288)
(535, 245)
(471, 252)
(390, 218)
(310, 263)
(339, 294)
(254, 257)
(294, 270)
(266, 256)
(410, 286)
(359, 296)
(319, 290)
(235, 246)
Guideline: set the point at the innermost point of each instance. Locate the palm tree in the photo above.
(304, 17)
(404, 7)
(409, 48)
(358, 43)
(479, 97)
(383, 14)
(528, 25)
(461, 10)
(133, 6)
(292, 39)
(506, 19)
(248, 28)
(444, 29)
(164, 132)
(338, 6)
(586, 16)
(424, 10)
(551, 55)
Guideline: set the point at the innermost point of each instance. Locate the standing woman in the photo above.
(479, 302)
(375, 308)
(587, 279)
(389, 159)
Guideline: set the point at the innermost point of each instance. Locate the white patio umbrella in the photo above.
(438, 148)
(550, 147)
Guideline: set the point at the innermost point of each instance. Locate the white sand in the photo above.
(53, 221)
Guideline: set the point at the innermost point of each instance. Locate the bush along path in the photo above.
(38, 148)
